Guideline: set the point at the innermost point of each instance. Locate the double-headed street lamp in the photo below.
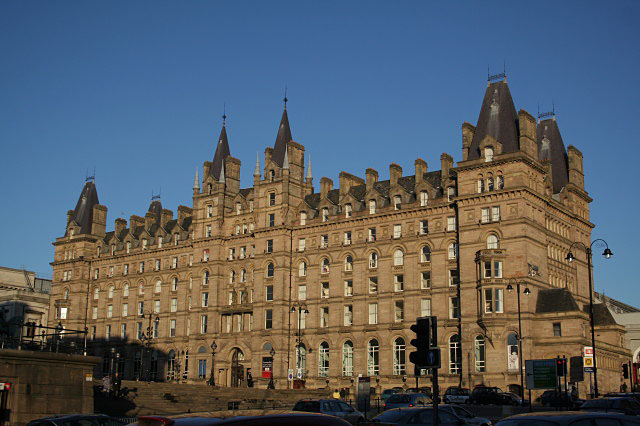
(570, 257)
(302, 310)
(212, 379)
(271, 385)
(147, 337)
(526, 293)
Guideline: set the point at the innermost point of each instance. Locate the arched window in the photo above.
(451, 251)
(110, 293)
(96, 293)
(348, 263)
(243, 275)
(424, 198)
(512, 351)
(158, 286)
(492, 242)
(455, 357)
(488, 154)
(303, 218)
(373, 260)
(347, 358)
(323, 360)
(125, 290)
(425, 255)
(302, 269)
(399, 361)
(232, 276)
(301, 357)
(373, 358)
(479, 349)
(270, 270)
(490, 184)
(500, 183)
(398, 258)
(171, 365)
(325, 266)
(174, 284)
(66, 294)
(480, 184)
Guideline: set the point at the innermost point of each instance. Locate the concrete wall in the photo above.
(45, 384)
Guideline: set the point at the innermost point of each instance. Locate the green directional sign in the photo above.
(541, 374)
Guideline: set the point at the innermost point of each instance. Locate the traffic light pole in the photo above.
(435, 396)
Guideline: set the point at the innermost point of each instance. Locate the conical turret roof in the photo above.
(551, 148)
(222, 152)
(83, 213)
(282, 140)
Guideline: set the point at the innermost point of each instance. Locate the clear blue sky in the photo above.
(136, 90)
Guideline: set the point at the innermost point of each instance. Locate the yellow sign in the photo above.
(588, 361)
(88, 377)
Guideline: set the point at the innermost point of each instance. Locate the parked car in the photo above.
(296, 419)
(76, 420)
(485, 395)
(422, 389)
(563, 418)
(553, 398)
(456, 395)
(515, 399)
(624, 405)
(332, 407)
(181, 421)
(388, 392)
(635, 395)
(465, 414)
(419, 416)
(406, 400)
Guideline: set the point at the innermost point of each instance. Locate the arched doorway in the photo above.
(237, 369)
(171, 365)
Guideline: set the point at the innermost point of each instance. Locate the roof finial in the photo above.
(224, 113)
(285, 97)
(256, 171)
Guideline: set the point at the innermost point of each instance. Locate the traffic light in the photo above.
(561, 367)
(625, 371)
(422, 342)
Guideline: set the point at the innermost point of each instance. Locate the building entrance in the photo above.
(237, 369)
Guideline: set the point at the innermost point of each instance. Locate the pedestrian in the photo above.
(117, 384)
(336, 394)
(106, 385)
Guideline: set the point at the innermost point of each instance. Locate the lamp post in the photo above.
(59, 329)
(146, 338)
(589, 252)
(302, 309)
(272, 352)
(212, 379)
(113, 360)
(520, 355)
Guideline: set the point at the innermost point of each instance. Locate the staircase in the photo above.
(141, 398)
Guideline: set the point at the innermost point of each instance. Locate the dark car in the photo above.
(181, 421)
(624, 405)
(635, 395)
(77, 420)
(465, 414)
(406, 400)
(456, 395)
(419, 416)
(332, 407)
(296, 419)
(553, 398)
(573, 418)
(485, 395)
(388, 392)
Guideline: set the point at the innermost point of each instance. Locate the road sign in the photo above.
(588, 364)
(588, 351)
(541, 373)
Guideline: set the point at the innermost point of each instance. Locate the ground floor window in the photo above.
(202, 368)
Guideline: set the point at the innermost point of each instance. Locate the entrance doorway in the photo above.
(237, 369)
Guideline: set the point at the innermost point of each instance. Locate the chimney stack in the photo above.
(421, 169)
(395, 173)
(371, 178)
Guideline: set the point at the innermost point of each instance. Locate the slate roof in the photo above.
(555, 300)
(282, 139)
(551, 148)
(83, 213)
(498, 118)
(601, 314)
(222, 152)
(246, 191)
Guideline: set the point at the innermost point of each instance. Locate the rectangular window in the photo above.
(373, 284)
(398, 282)
(454, 277)
(139, 330)
(348, 315)
(372, 206)
(158, 264)
(123, 331)
(230, 298)
(454, 308)
(425, 279)
(141, 267)
(205, 255)
(348, 210)
(144, 244)
(487, 269)
(232, 253)
(243, 252)
(126, 270)
(250, 205)
(109, 311)
(347, 238)
(373, 313)
(498, 300)
(324, 291)
(399, 310)
(451, 192)
(238, 208)
(272, 199)
(94, 312)
(156, 306)
(302, 244)
(268, 319)
(488, 300)
(269, 293)
(348, 288)
(203, 323)
(497, 269)
(557, 329)
(128, 247)
(209, 210)
(324, 317)
(424, 227)
(174, 262)
(324, 241)
(202, 369)
(325, 214)
(172, 328)
(110, 271)
(495, 214)
(208, 231)
(272, 219)
(125, 309)
(451, 223)
(302, 292)
(140, 308)
(425, 307)
(397, 231)
(372, 235)
(174, 305)
(397, 202)
(269, 246)
(107, 332)
(485, 215)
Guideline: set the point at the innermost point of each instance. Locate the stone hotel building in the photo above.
(328, 283)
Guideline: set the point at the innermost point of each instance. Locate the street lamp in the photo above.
(520, 355)
(272, 352)
(302, 309)
(147, 337)
(212, 379)
(570, 257)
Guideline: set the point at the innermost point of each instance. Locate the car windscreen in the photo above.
(391, 416)
(308, 406)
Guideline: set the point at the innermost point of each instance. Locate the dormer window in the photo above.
(272, 175)
(348, 210)
(128, 246)
(72, 232)
(303, 218)
(113, 249)
(159, 242)
(397, 201)
(238, 208)
(325, 214)
(424, 198)
(372, 206)
(451, 192)
(144, 244)
(488, 154)
(210, 189)
(176, 238)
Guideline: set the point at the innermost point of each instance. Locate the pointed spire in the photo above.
(256, 171)
(309, 174)
(283, 137)
(222, 150)
(83, 213)
(285, 162)
(196, 182)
